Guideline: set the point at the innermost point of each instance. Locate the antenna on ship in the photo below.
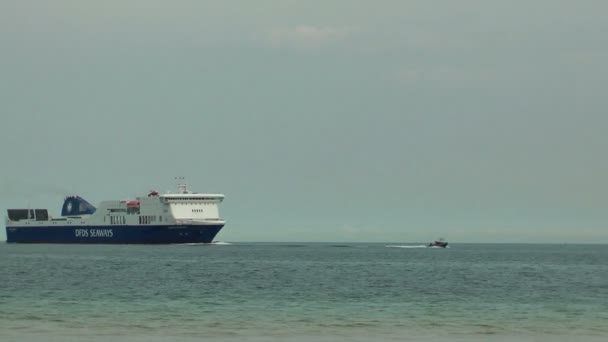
(182, 188)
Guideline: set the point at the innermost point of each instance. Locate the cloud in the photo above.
(304, 36)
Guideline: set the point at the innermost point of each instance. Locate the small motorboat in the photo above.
(438, 243)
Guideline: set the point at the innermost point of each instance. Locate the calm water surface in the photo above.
(303, 292)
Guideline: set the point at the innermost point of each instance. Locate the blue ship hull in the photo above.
(148, 234)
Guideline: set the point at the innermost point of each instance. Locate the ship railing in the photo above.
(210, 220)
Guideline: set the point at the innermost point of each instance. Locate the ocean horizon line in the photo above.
(352, 242)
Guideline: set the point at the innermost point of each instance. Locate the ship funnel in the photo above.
(75, 206)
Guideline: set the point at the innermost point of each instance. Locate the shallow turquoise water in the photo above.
(303, 292)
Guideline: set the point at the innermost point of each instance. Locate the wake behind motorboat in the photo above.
(438, 243)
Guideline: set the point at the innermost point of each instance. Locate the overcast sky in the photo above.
(392, 121)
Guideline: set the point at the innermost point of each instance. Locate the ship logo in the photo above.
(68, 208)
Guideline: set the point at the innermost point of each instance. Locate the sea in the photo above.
(304, 292)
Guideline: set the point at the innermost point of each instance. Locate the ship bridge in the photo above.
(189, 206)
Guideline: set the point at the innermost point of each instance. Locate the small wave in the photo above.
(32, 318)
(417, 246)
(214, 243)
(349, 324)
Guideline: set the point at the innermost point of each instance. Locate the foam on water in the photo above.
(214, 243)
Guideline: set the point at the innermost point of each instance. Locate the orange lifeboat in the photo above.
(133, 204)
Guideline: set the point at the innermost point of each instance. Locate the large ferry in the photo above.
(171, 218)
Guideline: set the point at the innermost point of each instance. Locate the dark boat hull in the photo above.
(148, 234)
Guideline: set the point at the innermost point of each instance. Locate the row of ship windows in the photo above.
(149, 219)
(118, 220)
(193, 204)
(197, 210)
(135, 210)
(129, 211)
(142, 219)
